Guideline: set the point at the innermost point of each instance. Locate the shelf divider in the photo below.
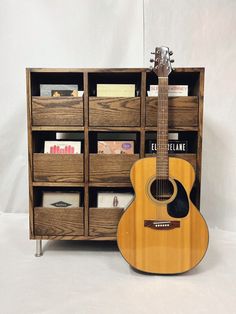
(86, 155)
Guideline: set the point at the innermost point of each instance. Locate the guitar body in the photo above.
(162, 237)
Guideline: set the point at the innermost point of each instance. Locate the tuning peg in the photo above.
(152, 53)
(171, 53)
(152, 60)
(172, 61)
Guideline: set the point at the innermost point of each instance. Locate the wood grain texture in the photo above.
(57, 128)
(114, 111)
(161, 251)
(73, 237)
(200, 133)
(110, 184)
(174, 129)
(183, 111)
(67, 117)
(111, 168)
(89, 70)
(30, 152)
(115, 129)
(192, 158)
(86, 154)
(58, 167)
(65, 111)
(55, 184)
(58, 221)
(106, 70)
(104, 221)
(143, 115)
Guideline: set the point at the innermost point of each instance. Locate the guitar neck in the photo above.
(162, 129)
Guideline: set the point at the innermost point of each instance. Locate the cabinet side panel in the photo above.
(30, 150)
(200, 130)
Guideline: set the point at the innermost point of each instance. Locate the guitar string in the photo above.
(163, 134)
(162, 164)
(162, 140)
(166, 165)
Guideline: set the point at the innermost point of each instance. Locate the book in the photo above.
(115, 147)
(115, 90)
(57, 90)
(62, 147)
(173, 90)
(173, 146)
(114, 199)
(61, 199)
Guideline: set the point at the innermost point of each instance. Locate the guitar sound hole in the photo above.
(162, 189)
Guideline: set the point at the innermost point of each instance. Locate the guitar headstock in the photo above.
(162, 63)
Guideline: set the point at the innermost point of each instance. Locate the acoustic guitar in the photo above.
(162, 231)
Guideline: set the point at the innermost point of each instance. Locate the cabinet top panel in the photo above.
(97, 70)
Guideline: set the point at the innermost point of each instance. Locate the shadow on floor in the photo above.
(89, 246)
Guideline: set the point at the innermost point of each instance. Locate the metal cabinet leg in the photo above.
(39, 250)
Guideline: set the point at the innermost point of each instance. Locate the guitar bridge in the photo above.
(162, 224)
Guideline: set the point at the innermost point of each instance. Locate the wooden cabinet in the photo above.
(86, 117)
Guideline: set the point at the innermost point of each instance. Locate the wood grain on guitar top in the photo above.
(161, 251)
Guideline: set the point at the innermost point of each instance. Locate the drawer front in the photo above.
(67, 111)
(58, 167)
(117, 111)
(104, 221)
(111, 168)
(58, 221)
(183, 111)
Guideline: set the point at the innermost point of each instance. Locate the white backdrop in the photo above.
(121, 33)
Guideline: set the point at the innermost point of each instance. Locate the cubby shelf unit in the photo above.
(89, 115)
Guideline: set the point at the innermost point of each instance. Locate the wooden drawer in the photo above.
(111, 168)
(66, 111)
(58, 167)
(104, 221)
(183, 111)
(58, 221)
(192, 158)
(115, 111)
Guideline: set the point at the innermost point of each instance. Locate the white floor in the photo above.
(92, 277)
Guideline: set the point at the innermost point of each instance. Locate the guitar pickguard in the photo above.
(179, 207)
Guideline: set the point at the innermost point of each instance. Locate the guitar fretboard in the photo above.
(162, 129)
